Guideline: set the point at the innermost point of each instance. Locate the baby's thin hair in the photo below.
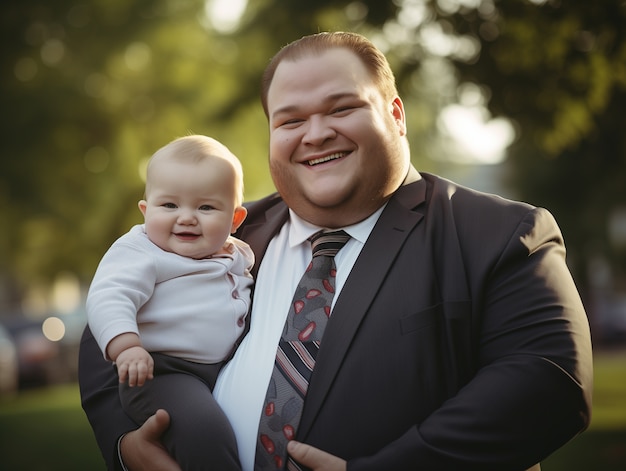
(195, 148)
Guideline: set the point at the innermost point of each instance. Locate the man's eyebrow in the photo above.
(328, 99)
(285, 110)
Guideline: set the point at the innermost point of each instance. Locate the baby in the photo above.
(169, 298)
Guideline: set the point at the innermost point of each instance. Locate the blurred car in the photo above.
(36, 355)
(610, 320)
(9, 371)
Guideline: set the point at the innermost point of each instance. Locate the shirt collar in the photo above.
(300, 230)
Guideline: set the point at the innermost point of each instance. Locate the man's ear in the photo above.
(142, 207)
(397, 110)
(238, 218)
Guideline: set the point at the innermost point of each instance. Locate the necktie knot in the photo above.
(328, 243)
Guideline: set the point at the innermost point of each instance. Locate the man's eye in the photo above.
(291, 123)
(341, 109)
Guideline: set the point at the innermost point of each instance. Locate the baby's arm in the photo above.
(133, 361)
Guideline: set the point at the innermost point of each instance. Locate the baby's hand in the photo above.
(136, 365)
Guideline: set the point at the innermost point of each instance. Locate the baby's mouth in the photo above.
(185, 235)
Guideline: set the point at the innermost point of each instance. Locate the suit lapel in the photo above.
(370, 269)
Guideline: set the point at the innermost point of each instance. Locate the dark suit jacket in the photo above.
(458, 342)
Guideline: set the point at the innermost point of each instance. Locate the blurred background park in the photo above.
(525, 98)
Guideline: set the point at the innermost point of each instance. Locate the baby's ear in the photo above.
(238, 217)
(142, 206)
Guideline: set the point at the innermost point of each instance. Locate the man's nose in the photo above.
(318, 130)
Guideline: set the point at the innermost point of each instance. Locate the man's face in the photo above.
(336, 145)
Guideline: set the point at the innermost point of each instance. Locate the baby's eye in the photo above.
(206, 207)
(169, 205)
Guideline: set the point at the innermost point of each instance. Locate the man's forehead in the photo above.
(319, 54)
(315, 68)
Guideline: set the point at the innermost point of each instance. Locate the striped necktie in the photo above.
(296, 353)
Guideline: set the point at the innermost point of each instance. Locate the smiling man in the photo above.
(456, 339)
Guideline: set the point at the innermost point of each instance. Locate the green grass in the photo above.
(46, 430)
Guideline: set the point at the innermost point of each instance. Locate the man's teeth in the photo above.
(326, 159)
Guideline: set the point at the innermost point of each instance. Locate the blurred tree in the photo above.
(558, 69)
(93, 89)
(90, 90)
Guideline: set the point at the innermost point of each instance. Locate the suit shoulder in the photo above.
(258, 208)
(465, 200)
(477, 215)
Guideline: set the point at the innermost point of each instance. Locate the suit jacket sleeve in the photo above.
(98, 382)
(528, 366)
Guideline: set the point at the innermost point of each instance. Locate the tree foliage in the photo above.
(558, 70)
(90, 90)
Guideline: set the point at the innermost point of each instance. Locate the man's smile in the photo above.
(327, 158)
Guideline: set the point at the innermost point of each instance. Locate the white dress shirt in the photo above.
(242, 384)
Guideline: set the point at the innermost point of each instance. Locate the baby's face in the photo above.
(189, 207)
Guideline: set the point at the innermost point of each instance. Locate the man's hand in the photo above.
(136, 365)
(315, 458)
(142, 449)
